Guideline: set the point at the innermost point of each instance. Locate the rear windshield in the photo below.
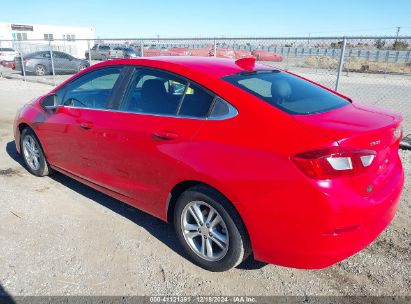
(287, 92)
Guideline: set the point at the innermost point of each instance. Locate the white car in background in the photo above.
(7, 54)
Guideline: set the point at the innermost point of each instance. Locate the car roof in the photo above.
(211, 66)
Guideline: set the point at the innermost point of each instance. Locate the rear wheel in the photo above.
(40, 70)
(210, 230)
(33, 154)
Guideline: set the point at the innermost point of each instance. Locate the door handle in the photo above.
(165, 135)
(86, 125)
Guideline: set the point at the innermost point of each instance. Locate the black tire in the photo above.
(81, 67)
(43, 168)
(40, 70)
(238, 242)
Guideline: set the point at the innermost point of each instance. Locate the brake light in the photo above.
(398, 132)
(331, 163)
(26, 59)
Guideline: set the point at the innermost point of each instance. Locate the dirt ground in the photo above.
(59, 237)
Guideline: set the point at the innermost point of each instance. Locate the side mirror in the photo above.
(49, 102)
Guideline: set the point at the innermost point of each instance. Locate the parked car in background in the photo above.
(241, 157)
(223, 53)
(8, 64)
(104, 52)
(128, 52)
(150, 52)
(242, 54)
(262, 55)
(39, 63)
(7, 54)
(201, 52)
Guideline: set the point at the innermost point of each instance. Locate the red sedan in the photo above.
(242, 158)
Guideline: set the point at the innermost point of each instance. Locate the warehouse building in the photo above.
(34, 37)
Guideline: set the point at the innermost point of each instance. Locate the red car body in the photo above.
(292, 219)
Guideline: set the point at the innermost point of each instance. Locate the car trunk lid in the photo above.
(361, 128)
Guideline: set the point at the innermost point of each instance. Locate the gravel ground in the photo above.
(59, 237)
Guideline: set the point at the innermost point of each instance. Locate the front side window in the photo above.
(287, 92)
(61, 55)
(92, 90)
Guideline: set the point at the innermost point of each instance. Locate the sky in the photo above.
(217, 18)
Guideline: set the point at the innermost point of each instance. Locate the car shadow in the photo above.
(157, 228)
(5, 297)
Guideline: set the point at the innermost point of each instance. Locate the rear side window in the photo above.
(157, 92)
(154, 92)
(287, 92)
(196, 103)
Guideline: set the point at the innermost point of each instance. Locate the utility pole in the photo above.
(398, 33)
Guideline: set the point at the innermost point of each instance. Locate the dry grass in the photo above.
(357, 65)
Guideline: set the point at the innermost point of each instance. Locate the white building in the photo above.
(35, 37)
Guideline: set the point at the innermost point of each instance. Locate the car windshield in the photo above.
(287, 92)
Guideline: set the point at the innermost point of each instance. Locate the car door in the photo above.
(62, 62)
(140, 145)
(68, 133)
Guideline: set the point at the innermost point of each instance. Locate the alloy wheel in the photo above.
(205, 231)
(31, 152)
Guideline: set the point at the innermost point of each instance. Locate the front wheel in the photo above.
(81, 67)
(210, 229)
(33, 154)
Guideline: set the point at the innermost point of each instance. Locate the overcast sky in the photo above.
(191, 18)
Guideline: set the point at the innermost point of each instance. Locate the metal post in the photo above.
(215, 48)
(52, 63)
(340, 64)
(141, 48)
(23, 68)
(89, 52)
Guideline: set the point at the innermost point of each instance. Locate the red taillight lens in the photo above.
(26, 59)
(331, 163)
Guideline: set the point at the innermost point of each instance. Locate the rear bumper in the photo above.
(336, 226)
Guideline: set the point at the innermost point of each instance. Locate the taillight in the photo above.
(330, 163)
(26, 59)
(398, 132)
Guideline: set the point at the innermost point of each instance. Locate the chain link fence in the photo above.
(370, 69)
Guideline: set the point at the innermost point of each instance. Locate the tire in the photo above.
(40, 70)
(227, 238)
(81, 67)
(31, 150)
